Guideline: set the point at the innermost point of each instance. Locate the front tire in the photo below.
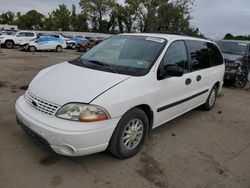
(240, 80)
(9, 44)
(211, 99)
(129, 135)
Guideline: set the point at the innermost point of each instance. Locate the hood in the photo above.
(64, 83)
(231, 57)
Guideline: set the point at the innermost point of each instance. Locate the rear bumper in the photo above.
(64, 142)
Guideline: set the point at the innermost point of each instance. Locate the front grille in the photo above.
(40, 104)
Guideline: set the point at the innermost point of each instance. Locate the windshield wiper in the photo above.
(102, 64)
(83, 62)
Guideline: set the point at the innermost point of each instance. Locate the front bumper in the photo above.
(65, 137)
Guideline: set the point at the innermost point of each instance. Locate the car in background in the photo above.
(8, 32)
(237, 58)
(72, 43)
(46, 43)
(17, 39)
(60, 36)
(84, 46)
(90, 43)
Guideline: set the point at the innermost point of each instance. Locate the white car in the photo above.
(46, 43)
(17, 38)
(115, 94)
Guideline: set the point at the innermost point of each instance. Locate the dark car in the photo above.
(237, 59)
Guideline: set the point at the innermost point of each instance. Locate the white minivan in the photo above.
(112, 96)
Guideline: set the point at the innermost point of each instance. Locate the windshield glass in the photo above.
(238, 48)
(131, 55)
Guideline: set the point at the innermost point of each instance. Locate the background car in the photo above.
(46, 43)
(17, 39)
(72, 43)
(237, 59)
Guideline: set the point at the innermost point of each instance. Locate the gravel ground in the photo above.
(198, 149)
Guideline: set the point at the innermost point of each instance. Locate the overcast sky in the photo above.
(214, 18)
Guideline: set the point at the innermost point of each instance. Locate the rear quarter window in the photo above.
(199, 54)
(215, 54)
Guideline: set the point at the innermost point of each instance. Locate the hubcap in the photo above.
(212, 97)
(132, 134)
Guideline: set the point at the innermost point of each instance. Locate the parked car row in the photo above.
(30, 41)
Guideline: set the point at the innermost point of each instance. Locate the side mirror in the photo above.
(18, 35)
(173, 71)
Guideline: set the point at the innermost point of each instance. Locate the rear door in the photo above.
(201, 70)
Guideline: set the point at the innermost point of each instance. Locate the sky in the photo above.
(214, 18)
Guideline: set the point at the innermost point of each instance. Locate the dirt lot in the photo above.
(199, 149)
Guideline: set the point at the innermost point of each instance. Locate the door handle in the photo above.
(188, 81)
(198, 78)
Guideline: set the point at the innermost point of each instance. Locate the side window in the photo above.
(21, 34)
(215, 55)
(176, 55)
(199, 55)
(29, 34)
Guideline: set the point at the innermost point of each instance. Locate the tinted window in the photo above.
(176, 55)
(199, 55)
(215, 55)
(29, 34)
(21, 34)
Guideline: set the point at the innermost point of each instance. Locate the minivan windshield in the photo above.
(237, 48)
(124, 54)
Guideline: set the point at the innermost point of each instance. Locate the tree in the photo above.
(96, 10)
(7, 18)
(60, 18)
(32, 20)
(228, 36)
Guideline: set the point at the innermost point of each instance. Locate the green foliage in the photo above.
(31, 20)
(96, 10)
(108, 16)
(7, 18)
(229, 36)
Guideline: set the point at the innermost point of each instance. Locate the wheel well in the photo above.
(150, 114)
(217, 84)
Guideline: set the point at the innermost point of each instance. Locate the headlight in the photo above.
(82, 112)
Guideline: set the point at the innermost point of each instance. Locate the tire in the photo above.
(240, 80)
(9, 44)
(123, 143)
(211, 99)
(59, 48)
(32, 48)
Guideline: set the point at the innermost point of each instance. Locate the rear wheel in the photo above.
(129, 134)
(211, 99)
(59, 49)
(9, 44)
(32, 48)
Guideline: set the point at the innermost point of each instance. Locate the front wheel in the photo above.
(211, 99)
(9, 44)
(129, 134)
(240, 80)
